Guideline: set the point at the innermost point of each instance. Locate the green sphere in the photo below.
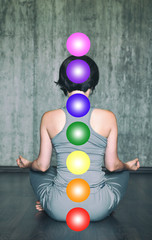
(78, 133)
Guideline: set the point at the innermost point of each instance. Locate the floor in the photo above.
(19, 219)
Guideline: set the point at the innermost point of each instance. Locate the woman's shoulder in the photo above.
(53, 113)
(99, 112)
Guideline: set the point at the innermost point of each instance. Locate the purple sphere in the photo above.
(78, 71)
(78, 105)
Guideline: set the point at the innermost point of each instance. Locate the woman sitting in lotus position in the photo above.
(49, 183)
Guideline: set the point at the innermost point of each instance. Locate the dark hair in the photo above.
(68, 86)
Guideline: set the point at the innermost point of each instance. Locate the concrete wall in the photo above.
(33, 36)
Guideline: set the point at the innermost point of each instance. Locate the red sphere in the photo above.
(78, 219)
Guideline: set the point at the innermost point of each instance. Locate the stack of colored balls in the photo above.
(78, 133)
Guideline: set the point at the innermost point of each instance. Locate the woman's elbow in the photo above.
(43, 170)
(110, 168)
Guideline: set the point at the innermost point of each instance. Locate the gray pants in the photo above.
(99, 205)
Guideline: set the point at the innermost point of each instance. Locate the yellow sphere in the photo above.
(78, 162)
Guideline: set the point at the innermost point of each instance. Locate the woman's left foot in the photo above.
(38, 206)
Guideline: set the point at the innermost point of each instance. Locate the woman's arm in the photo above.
(34, 166)
(42, 163)
(120, 166)
(132, 165)
(24, 163)
(112, 161)
(111, 156)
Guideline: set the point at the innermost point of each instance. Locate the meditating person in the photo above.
(49, 183)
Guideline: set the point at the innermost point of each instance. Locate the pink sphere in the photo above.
(78, 44)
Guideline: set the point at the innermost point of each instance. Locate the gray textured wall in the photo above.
(33, 38)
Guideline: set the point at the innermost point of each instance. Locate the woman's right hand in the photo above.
(133, 164)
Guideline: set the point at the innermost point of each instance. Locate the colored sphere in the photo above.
(78, 105)
(78, 44)
(78, 190)
(78, 71)
(78, 162)
(78, 219)
(78, 133)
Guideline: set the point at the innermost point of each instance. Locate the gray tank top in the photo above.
(94, 147)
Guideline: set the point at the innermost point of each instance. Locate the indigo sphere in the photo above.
(78, 105)
(78, 133)
(78, 44)
(78, 71)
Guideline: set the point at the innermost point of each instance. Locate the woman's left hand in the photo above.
(23, 163)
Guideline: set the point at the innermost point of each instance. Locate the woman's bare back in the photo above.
(100, 121)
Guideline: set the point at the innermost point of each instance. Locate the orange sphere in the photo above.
(78, 190)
